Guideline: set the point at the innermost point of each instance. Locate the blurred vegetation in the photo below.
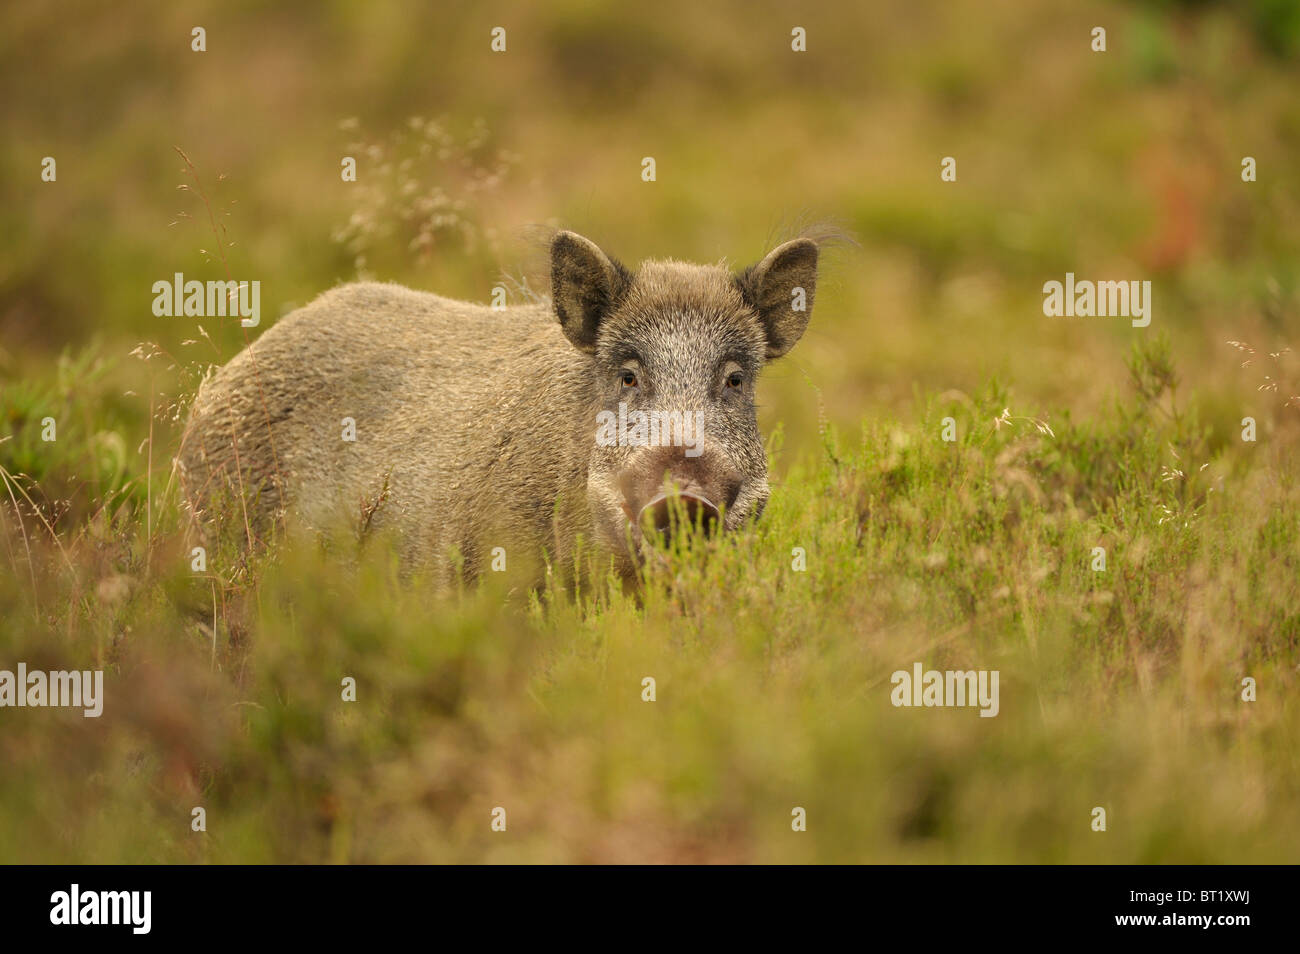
(1119, 689)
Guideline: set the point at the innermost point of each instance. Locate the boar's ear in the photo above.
(780, 288)
(585, 286)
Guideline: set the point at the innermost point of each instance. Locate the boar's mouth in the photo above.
(696, 509)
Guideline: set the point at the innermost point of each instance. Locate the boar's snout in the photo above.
(659, 480)
(698, 511)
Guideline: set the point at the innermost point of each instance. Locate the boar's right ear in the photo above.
(585, 285)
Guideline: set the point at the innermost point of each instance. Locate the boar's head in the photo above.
(675, 352)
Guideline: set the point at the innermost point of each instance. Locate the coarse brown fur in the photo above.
(474, 426)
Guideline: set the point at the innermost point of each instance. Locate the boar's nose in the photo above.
(699, 511)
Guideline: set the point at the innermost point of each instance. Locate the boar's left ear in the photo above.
(781, 288)
(586, 284)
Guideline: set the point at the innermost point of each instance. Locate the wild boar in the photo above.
(463, 429)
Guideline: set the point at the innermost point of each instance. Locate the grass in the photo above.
(1120, 689)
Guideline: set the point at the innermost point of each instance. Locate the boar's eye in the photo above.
(628, 377)
(735, 379)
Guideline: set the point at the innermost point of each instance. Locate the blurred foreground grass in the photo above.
(1119, 689)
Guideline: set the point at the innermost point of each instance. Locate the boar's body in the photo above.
(477, 428)
(463, 455)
